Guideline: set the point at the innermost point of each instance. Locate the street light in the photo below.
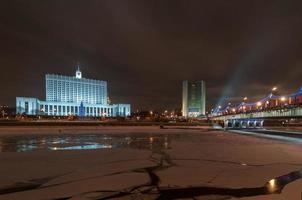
(274, 88)
(3, 113)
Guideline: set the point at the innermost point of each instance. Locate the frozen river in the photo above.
(151, 141)
(147, 163)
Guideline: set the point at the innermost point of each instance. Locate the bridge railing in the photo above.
(282, 112)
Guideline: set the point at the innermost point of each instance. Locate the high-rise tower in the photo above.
(193, 98)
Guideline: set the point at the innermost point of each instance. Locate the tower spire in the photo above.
(78, 72)
(78, 66)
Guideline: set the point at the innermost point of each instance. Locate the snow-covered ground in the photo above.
(204, 163)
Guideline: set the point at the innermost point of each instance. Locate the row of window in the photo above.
(71, 79)
(77, 110)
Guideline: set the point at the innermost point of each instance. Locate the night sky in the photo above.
(145, 48)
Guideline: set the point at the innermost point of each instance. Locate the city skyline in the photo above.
(146, 49)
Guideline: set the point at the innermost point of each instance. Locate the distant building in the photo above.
(193, 98)
(67, 95)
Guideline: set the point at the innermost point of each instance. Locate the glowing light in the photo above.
(274, 88)
(234, 110)
(267, 102)
(272, 182)
(259, 103)
(272, 185)
(243, 164)
(245, 98)
(282, 98)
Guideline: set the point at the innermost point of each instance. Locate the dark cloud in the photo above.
(144, 49)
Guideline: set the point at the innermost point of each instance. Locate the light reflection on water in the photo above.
(82, 142)
(277, 184)
(82, 147)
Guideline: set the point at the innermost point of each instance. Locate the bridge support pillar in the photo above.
(243, 123)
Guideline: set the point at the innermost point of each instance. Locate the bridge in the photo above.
(256, 119)
(254, 114)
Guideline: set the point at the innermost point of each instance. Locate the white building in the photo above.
(67, 95)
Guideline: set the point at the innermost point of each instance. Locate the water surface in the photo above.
(84, 142)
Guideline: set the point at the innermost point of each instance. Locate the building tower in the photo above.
(78, 72)
(193, 98)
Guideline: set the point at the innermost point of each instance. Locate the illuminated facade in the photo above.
(193, 98)
(71, 89)
(78, 96)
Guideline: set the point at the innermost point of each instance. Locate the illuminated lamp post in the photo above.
(274, 89)
(219, 107)
(243, 106)
(166, 112)
(282, 99)
(267, 104)
(3, 113)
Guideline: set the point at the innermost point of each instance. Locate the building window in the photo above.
(26, 107)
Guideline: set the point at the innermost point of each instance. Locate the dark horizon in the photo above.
(145, 49)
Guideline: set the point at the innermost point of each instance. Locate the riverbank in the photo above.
(51, 130)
